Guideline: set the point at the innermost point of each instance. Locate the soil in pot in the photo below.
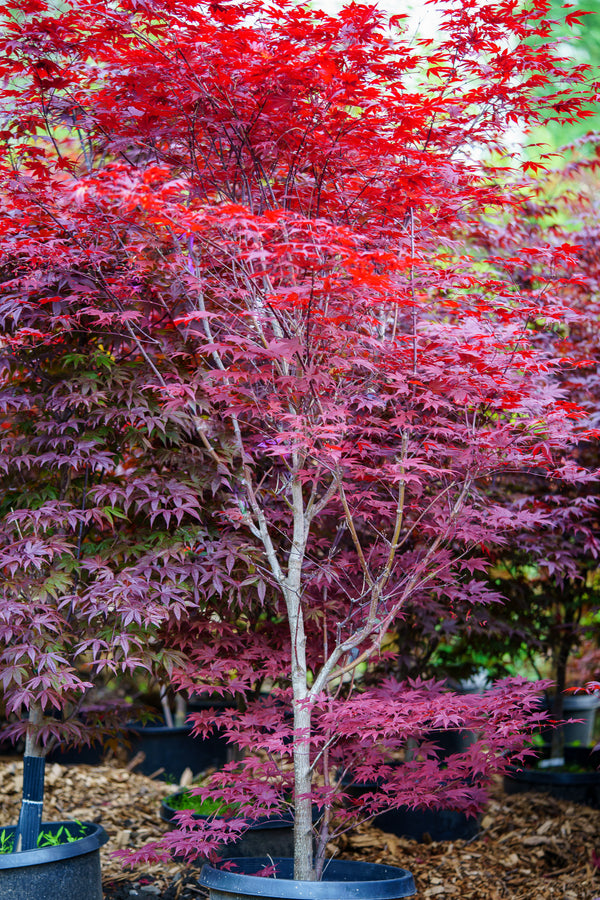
(273, 835)
(575, 778)
(342, 880)
(58, 871)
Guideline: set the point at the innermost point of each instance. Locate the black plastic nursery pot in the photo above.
(342, 880)
(420, 824)
(580, 707)
(428, 824)
(86, 755)
(273, 835)
(582, 785)
(168, 751)
(9, 747)
(452, 740)
(69, 871)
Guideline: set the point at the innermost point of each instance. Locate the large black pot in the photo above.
(342, 880)
(576, 786)
(428, 824)
(273, 835)
(63, 872)
(580, 706)
(452, 740)
(169, 751)
(419, 824)
(86, 755)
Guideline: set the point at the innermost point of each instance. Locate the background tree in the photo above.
(550, 574)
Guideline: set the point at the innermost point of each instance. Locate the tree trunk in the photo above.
(304, 869)
(565, 646)
(34, 763)
(303, 836)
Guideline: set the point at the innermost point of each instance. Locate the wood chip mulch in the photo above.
(531, 847)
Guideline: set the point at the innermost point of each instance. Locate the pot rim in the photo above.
(343, 880)
(92, 841)
(550, 777)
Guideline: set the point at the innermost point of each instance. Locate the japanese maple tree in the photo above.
(83, 593)
(86, 583)
(259, 213)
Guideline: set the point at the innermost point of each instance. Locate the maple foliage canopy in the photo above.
(243, 330)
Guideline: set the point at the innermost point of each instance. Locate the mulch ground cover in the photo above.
(530, 847)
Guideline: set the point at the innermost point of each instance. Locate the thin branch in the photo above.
(352, 528)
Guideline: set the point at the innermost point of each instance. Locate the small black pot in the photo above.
(173, 750)
(273, 835)
(578, 787)
(64, 872)
(342, 880)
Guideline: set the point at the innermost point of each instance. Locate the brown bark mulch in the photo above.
(531, 847)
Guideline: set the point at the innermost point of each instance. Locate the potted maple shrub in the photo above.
(86, 578)
(274, 204)
(77, 598)
(549, 575)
